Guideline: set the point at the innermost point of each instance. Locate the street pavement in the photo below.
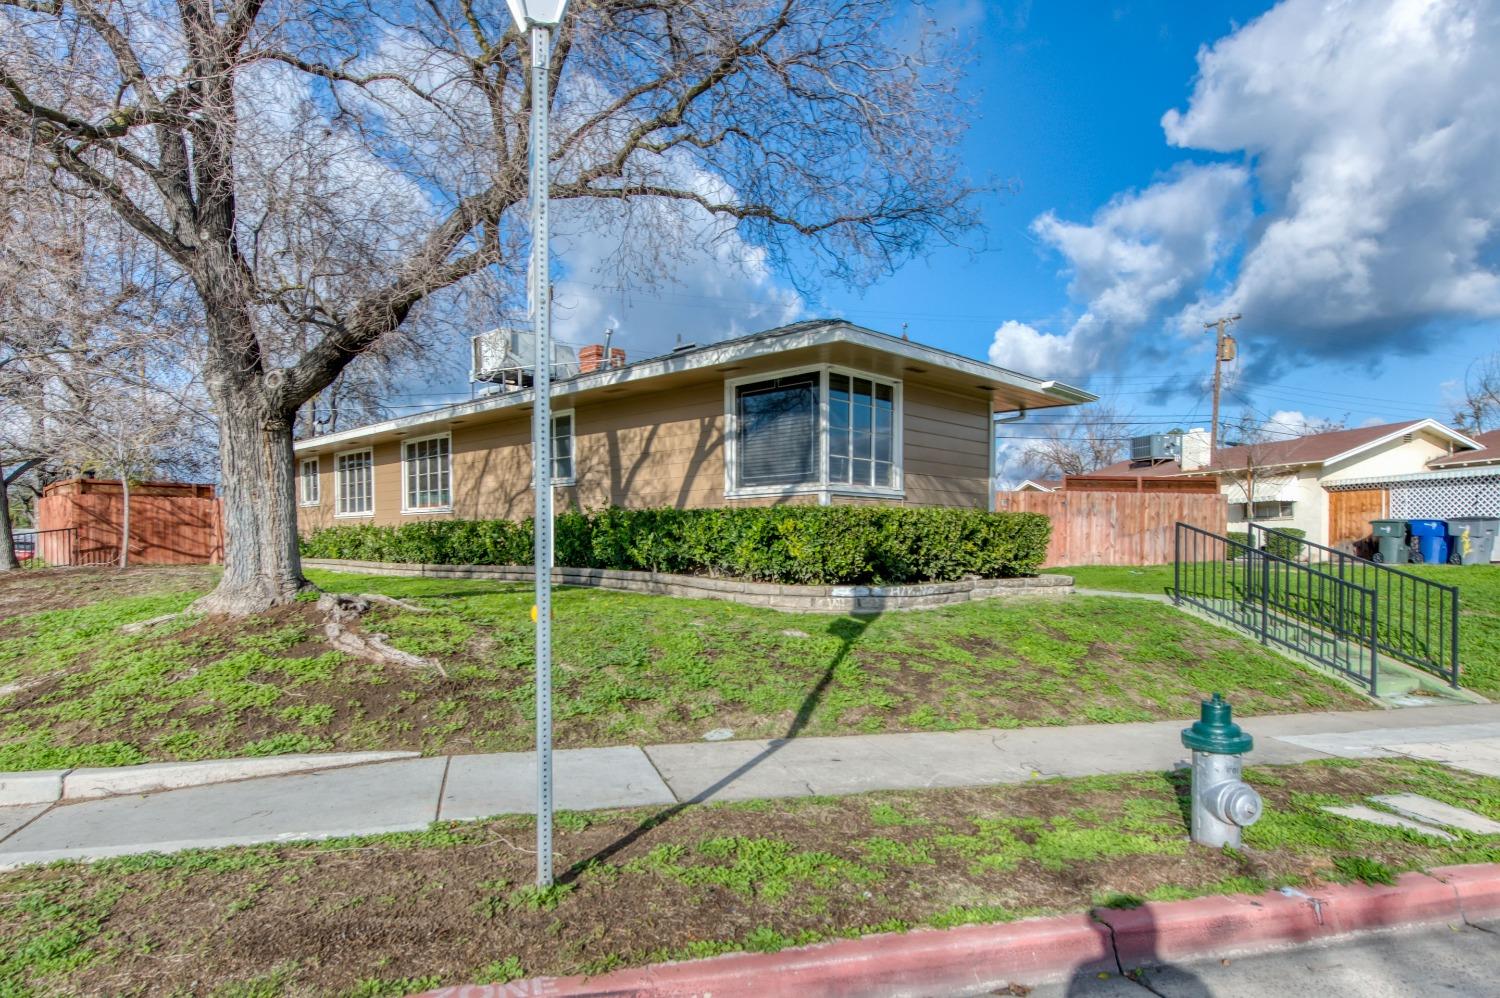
(1461, 961)
(409, 794)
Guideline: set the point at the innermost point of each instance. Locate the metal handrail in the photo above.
(1330, 620)
(1420, 621)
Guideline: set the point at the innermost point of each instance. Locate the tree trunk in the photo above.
(124, 519)
(7, 539)
(262, 566)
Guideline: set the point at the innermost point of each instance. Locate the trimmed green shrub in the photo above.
(1283, 546)
(810, 545)
(1239, 537)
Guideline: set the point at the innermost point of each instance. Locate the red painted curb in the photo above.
(1043, 949)
(1177, 930)
(1478, 888)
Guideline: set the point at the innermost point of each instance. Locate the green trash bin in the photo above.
(1472, 539)
(1391, 536)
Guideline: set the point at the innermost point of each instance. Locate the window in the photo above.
(354, 481)
(1268, 510)
(776, 430)
(428, 474)
(307, 475)
(861, 431)
(562, 447)
(826, 430)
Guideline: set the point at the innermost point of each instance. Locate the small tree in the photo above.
(1092, 440)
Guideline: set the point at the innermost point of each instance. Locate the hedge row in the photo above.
(1276, 544)
(807, 545)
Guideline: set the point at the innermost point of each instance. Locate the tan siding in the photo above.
(945, 447)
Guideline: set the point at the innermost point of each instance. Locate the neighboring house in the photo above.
(1042, 485)
(1331, 485)
(816, 412)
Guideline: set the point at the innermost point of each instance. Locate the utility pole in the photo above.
(1224, 349)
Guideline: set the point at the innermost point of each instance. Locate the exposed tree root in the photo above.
(341, 610)
(138, 626)
(384, 600)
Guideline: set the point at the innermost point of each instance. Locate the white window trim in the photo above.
(408, 510)
(822, 488)
(302, 499)
(338, 485)
(572, 439)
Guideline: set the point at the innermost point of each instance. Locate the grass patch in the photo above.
(399, 913)
(628, 669)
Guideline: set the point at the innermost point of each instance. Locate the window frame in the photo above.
(570, 479)
(407, 509)
(338, 483)
(317, 480)
(821, 487)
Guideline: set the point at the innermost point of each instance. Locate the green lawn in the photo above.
(1478, 606)
(401, 913)
(629, 669)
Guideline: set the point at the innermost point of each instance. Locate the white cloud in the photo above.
(1370, 131)
(1374, 127)
(1141, 255)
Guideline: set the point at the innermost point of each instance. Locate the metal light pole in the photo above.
(540, 17)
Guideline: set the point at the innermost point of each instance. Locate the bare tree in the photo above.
(1253, 466)
(1479, 409)
(1092, 440)
(321, 172)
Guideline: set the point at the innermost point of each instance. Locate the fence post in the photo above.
(1177, 565)
(1453, 639)
(1265, 602)
(1374, 645)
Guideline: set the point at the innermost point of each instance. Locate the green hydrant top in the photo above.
(1215, 730)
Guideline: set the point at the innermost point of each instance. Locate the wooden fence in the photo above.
(1116, 528)
(182, 529)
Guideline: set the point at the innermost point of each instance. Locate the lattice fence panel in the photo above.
(1438, 500)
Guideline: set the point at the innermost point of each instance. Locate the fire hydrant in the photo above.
(1222, 802)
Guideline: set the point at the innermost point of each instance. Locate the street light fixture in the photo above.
(539, 17)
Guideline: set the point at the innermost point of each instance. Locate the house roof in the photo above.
(1015, 389)
(1313, 449)
(1488, 453)
(1041, 484)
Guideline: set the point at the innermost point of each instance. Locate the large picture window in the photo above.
(777, 431)
(827, 430)
(354, 481)
(308, 483)
(428, 473)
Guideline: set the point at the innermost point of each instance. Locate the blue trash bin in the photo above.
(1431, 538)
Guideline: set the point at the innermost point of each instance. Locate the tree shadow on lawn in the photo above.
(848, 630)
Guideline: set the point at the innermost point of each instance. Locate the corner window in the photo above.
(354, 482)
(427, 470)
(861, 431)
(308, 484)
(562, 447)
(826, 429)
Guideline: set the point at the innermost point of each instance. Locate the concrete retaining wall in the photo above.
(804, 599)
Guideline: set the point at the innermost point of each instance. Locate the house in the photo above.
(1330, 485)
(816, 412)
(1040, 485)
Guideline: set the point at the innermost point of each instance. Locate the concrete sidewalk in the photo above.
(409, 794)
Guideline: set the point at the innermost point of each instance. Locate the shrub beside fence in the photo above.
(811, 545)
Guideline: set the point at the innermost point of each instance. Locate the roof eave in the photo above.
(1059, 393)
